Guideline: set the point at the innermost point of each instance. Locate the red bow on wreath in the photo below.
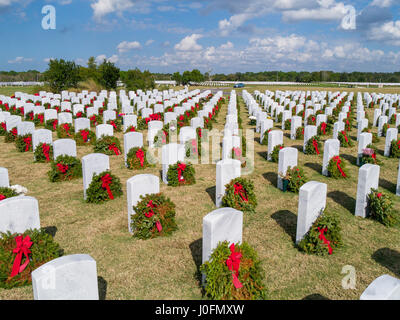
(3, 125)
(85, 135)
(114, 148)
(93, 120)
(113, 124)
(338, 161)
(14, 132)
(22, 248)
(398, 144)
(324, 239)
(315, 144)
(106, 181)
(55, 122)
(66, 128)
(151, 213)
(2, 197)
(199, 133)
(323, 127)
(181, 168)
(233, 263)
(345, 136)
(28, 143)
(62, 168)
(41, 117)
(46, 151)
(241, 192)
(140, 156)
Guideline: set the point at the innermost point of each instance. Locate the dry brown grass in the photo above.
(166, 268)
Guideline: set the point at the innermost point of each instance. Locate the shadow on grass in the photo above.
(263, 154)
(315, 166)
(287, 135)
(388, 258)
(347, 202)
(271, 177)
(211, 192)
(51, 230)
(288, 222)
(389, 186)
(196, 248)
(315, 296)
(102, 284)
(350, 158)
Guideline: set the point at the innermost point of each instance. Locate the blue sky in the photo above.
(218, 36)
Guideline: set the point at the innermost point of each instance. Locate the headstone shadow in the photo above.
(196, 248)
(343, 199)
(288, 222)
(211, 192)
(263, 154)
(315, 166)
(388, 258)
(315, 296)
(51, 230)
(298, 147)
(271, 177)
(389, 186)
(102, 284)
(350, 158)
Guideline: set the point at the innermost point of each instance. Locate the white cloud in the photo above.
(149, 42)
(104, 7)
(47, 60)
(328, 11)
(227, 46)
(382, 3)
(100, 58)
(189, 43)
(20, 60)
(388, 32)
(127, 46)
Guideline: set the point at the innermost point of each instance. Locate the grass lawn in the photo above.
(166, 268)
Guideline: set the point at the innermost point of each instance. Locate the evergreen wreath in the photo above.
(42, 249)
(393, 119)
(311, 120)
(240, 195)
(395, 149)
(104, 187)
(300, 133)
(324, 129)
(11, 135)
(348, 123)
(38, 120)
(385, 127)
(161, 138)
(323, 237)
(65, 168)
(84, 137)
(30, 116)
(117, 124)
(295, 178)
(108, 145)
(234, 273)
(136, 159)
(43, 153)
(95, 120)
(288, 124)
(279, 117)
(381, 208)
(65, 130)
(313, 145)
(130, 129)
(154, 217)
(345, 141)
(181, 174)
(275, 152)
(79, 114)
(337, 168)
(264, 141)
(3, 129)
(24, 143)
(6, 193)
(51, 124)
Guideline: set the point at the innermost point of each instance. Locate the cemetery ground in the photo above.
(167, 268)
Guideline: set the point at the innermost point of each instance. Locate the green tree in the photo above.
(177, 77)
(62, 75)
(108, 75)
(135, 79)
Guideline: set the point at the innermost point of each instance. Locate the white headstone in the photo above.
(227, 170)
(64, 147)
(94, 163)
(331, 149)
(368, 178)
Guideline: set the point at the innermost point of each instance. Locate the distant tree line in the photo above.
(13, 76)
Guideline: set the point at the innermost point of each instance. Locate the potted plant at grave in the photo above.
(275, 152)
(337, 168)
(240, 195)
(65, 168)
(300, 133)
(11, 135)
(181, 174)
(154, 217)
(65, 130)
(84, 137)
(43, 153)
(234, 273)
(108, 145)
(381, 208)
(104, 187)
(369, 156)
(313, 145)
(36, 248)
(323, 237)
(137, 159)
(345, 141)
(293, 180)
(24, 143)
(6, 193)
(51, 124)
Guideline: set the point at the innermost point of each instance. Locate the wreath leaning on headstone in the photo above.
(154, 217)
(117, 124)
(11, 136)
(137, 159)
(395, 149)
(180, 174)
(323, 237)
(240, 195)
(234, 273)
(20, 254)
(65, 130)
(294, 179)
(65, 168)
(24, 143)
(275, 152)
(51, 124)
(3, 129)
(381, 208)
(108, 145)
(43, 153)
(6, 193)
(300, 133)
(84, 137)
(313, 145)
(104, 187)
(337, 168)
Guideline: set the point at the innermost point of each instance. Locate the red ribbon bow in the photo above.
(3, 125)
(315, 144)
(106, 181)
(323, 127)
(66, 128)
(233, 263)
(324, 239)
(345, 136)
(181, 168)
(62, 168)
(379, 195)
(113, 124)
(151, 213)
(22, 248)
(2, 197)
(199, 133)
(241, 192)
(46, 150)
(114, 148)
(55, 123)
(41, 117)
(338, 161)
(140, 156)
(14, 132)
(237, 152)
(85, 135)
(28, 143)
(93, 119)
